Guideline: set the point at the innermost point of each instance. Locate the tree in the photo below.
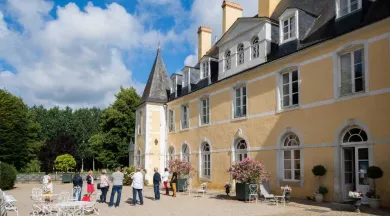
(19, 141)
(65, 162)
(60, 145)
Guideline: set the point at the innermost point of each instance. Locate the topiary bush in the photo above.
(373, 172)
(322, 190)
(7, 176)
(319, 170)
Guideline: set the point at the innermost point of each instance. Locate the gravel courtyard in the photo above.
(213, 204)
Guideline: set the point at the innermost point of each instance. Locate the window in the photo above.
(204, 111)
(173, 87)
(139, 123)
(240, 102)
(185, 79)
(138, 158)
(205, 72)
(352, 72)
(171, 121)
(206, 161)
(291, 158)
(185, 153)
(345, 7)
(228, 60)
(255, 48)
(240, 53)
(241, 150)
(184, 116)
(289, 28)
(290, 89)
(171, 153)
(355, 135)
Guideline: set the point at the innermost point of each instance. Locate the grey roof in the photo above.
(158, 82)
(313, 7)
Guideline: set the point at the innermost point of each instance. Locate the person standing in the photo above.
(138, 185)
(165, 178)
(90, 185)
(77, 186)
(174, 181)
(45, 180)
(156, 184)
(117, 185)
(104, 186)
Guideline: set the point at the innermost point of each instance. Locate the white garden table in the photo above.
(74, 208)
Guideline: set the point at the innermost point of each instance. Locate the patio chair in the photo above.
(36, 194)
(253, 192)
(10, 203)
(3, 211)
(91, 208)
(268, 197)
(187, 187)
(202, 190)
(282, 198)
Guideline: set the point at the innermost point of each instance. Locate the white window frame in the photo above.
(185, 116)
(205, 159)
(287, 15)
(364, 68)
(227, 60)
(255, 47)
(240, 54)
(201, 111)
(241, 152)
(290, 84)
(205, 69)
(171, 118)
(338, 8)
(186, 78)
(185, 152)
(292, 159)
(173, 85)
(242, 99)
(171, 153)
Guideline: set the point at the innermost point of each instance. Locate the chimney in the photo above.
(204, 40)
(231, 12)
(267, 7)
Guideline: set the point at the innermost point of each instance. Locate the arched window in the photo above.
(240, 53)
(206, 160)
(241, 150)
(228, 60)
(138, 158)
(255, 48)
(291, 157)
(355, 135)
(171, 153)
(185, 153)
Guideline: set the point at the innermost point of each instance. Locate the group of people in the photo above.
(117, 185)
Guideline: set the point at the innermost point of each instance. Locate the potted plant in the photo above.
(245, 172)
(287, 192)
(373, 173)
(64, 163)
(357, 199)
(319, 171)
(184, 170)
(227, 188)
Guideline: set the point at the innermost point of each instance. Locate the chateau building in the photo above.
(302, 83)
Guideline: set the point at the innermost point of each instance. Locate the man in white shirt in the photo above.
(165, 177)
(138, 185)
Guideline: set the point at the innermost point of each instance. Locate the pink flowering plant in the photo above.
(183, 168)
(286, 188)
(248, 170)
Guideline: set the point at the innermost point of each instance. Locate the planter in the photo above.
(242, 191)
(66, 178)
(287, 197)
(357, 202)
(227, 190)
(319, 198)
(374, 203)
(180, 184)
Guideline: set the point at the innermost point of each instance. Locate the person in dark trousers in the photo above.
(156, 184)
(77, 186)
(138, 185)
(117, 185)
(104, 186)
(174, 181)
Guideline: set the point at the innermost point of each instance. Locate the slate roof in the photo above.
(158, 82)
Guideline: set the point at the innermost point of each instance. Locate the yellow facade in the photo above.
(319, 121)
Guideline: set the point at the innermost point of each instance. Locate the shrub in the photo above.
(182, 167)
(128, 173)
(65, 162)
(7, 176)
(248, 170)
(322, 190)
(319, 170)
(373, 172)
(32, 167)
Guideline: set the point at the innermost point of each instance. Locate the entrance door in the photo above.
(362, 163)
(349, 171)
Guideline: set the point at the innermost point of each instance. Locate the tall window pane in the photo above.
(228, 61)
(352, 72)
(240, 53)
(255, 48)
(290, 89)
(240, 105)
(205, 116)
(291, 158)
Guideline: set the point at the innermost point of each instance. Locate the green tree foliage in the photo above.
(117, 125)
(32, 166)
(19, 141)
(7, 176)
(65, 162)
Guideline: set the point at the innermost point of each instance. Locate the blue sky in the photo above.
(79, 52)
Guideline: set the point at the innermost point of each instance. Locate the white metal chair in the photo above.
(8, 202)
(91, 208)
(253, 192)
(187, 187)
(202, 189)
(269, 198)
(282, 198)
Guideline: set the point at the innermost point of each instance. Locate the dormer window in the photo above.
(228, 61)
(185, 79)
(288, 25)
(345, 7)
(255, 47)
(173, 85)
(240, 54)
(205, 71)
